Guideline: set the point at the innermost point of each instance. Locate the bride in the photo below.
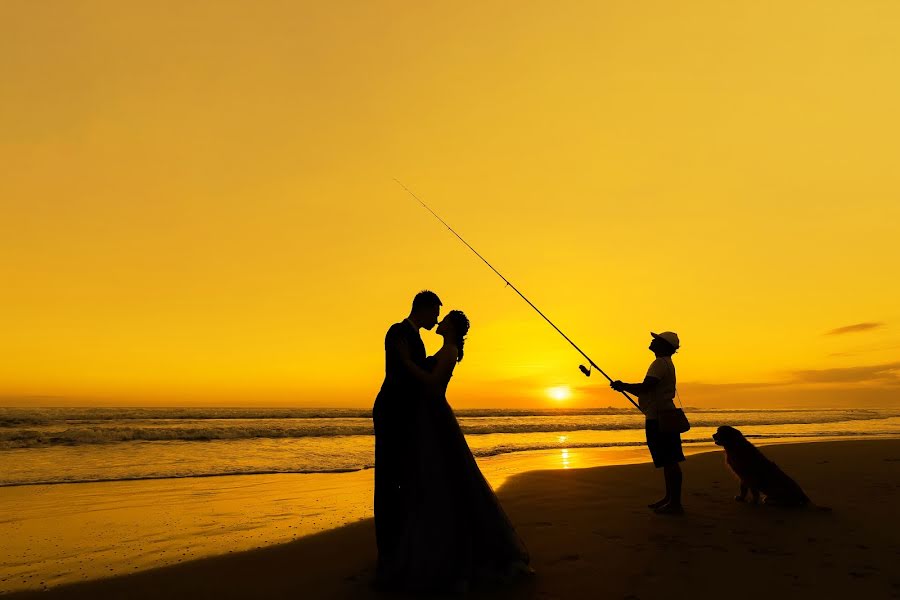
(457, 532)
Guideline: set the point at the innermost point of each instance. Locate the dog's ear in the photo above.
(730, 434)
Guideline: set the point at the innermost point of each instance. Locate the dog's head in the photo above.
(727, 436)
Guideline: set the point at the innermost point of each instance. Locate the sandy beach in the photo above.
(591, 536)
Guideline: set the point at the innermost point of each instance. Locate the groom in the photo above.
(393, 417)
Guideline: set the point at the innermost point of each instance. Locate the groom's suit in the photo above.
(393, 416)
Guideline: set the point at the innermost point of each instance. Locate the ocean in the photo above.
(70, 445)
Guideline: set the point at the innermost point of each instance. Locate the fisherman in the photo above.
(656, 395)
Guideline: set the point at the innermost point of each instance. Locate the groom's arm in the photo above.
(392, 339)
(393, 360)
(396, 346)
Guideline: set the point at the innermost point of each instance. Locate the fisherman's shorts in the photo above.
(665, 446)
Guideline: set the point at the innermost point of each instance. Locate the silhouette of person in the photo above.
(656, 393)
(393, 416)
(456, 533)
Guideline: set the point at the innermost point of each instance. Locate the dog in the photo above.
(758, 474)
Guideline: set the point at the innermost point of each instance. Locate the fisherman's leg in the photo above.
(665, 499)
(674, 480)
(652, 431)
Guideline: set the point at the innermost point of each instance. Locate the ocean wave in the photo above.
(62, 479)
(14, 417)
(93, 432)
(494, 451)
(19, 417)
(488, 452)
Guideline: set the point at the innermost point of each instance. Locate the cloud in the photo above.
(868, 373)
(873, 395)
(888, 373)
(854, 328)
(747, 385)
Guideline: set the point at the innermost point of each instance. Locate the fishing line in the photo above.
(591, 363)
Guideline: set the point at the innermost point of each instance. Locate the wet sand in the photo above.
(66, 533)
(591, 536)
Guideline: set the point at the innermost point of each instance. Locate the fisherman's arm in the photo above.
(635, 388)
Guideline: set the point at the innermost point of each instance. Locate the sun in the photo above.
(559, 392)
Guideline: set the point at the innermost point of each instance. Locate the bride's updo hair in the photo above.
(460, 327)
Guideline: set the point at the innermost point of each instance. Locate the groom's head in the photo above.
(426, 308)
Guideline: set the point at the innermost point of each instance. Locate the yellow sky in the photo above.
(198, 206)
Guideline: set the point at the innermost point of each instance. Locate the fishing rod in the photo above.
(585, 370)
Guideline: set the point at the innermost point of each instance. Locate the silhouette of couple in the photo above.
(438, 523)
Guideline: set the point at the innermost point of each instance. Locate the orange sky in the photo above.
(198, 206)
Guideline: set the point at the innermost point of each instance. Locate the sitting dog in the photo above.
(757, 473)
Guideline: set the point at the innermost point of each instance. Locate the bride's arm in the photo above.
(443, 368)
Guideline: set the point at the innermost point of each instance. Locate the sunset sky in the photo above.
(197, 202)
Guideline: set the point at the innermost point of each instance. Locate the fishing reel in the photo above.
(585, 369)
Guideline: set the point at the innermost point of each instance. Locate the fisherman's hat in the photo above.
(668, 336)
